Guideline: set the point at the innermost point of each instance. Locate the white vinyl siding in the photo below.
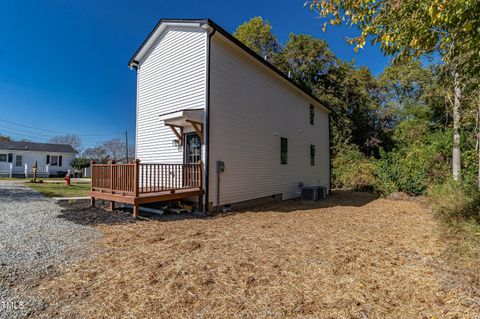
(29, 157)
(251, 108)
(171, 77)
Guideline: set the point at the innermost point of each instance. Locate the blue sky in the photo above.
(65, 62)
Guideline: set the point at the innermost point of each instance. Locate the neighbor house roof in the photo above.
(206, 24)
(41, 147)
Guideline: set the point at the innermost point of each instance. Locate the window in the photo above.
(312, 114)
(10, 157)
(312, 155)
(18, 160)
(283, 150)
(3, 157)
(54, 160)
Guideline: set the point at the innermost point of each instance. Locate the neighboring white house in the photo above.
(203, 95)
(16, 158)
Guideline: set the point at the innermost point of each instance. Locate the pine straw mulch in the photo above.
(351, 256)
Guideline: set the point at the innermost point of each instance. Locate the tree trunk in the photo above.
(478, 139)
(456, 161)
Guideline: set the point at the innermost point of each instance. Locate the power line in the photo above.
(22, 134)
(57, 132)
(17, 131)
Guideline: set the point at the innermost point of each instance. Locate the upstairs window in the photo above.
(312, 115)
(283, 150)
(312, 155)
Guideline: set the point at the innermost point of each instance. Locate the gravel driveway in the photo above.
(34, 244)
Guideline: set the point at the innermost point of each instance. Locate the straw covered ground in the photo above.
(351, 256)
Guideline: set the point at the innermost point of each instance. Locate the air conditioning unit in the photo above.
(314, 193)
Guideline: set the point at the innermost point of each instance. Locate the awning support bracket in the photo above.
(198, 128)
(179, 135)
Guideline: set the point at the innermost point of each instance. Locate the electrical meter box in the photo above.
(220, 167)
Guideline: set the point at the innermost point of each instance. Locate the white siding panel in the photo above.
(29, 158)
(251, 108)
(172, 77)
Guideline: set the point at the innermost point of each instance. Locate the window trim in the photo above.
(312, 155)
(16, 160)
(312, 114)
(52, 162)
(283, 152)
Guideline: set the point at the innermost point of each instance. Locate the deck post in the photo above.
(136, 177)
(135, 211)
(136, 185)
(92, 180)
(111, 162)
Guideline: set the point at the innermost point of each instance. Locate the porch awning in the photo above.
(185, 118)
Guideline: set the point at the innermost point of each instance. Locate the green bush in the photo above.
(455, 201)
(80, 163)
(352, 170)
(413, 166)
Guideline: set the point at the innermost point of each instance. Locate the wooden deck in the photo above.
(138, 184)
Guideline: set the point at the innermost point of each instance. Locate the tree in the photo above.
(415, 28)
(5, 138)
(80, 163)
(307, 60)
(115, 148)
(257, 35)
(410, 28)
(97, 153)
(69, 139)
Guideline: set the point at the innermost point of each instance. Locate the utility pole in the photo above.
(126, 145)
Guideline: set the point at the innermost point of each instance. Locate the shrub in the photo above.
(80, 163)
(455, 201)
(352, 170)
(412, 167)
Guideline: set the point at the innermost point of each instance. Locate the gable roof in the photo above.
(206, 24)
(40, 147)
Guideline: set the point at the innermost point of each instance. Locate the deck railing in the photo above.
(137, 178)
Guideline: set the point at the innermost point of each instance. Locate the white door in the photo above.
(18, 163)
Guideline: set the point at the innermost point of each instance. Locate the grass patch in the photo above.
(459, 209)
(59, 179)
(61, 190)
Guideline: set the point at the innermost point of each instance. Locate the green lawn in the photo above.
(27, 179)
(61, 190)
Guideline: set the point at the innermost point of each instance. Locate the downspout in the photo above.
(211, 32)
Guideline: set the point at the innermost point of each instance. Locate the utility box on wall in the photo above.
(220, 167)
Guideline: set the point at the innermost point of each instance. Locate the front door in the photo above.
(18, 163)
(193, 154)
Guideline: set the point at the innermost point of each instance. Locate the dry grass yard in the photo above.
(351, 256)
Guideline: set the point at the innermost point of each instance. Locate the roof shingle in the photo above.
(41, 147)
